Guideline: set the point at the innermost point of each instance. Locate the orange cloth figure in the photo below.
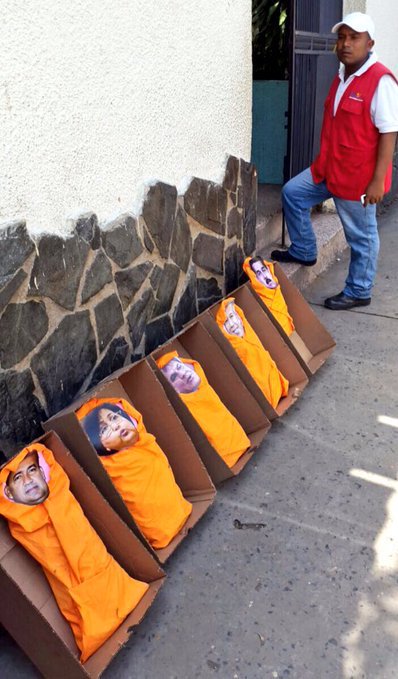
(266, 285)
(92, 591)
(239, 333)
(137, 467)
(220, 427)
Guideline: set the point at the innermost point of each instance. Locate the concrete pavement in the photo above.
(309, 588)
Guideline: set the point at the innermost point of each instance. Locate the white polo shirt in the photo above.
(384, 105)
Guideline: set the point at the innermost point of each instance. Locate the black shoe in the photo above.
(341, 302)
(285, 257)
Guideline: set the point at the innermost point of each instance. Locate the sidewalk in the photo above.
(308, 589)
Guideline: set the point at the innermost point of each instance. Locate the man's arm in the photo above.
(375, 190)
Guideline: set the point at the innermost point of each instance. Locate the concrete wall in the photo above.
(97, 96)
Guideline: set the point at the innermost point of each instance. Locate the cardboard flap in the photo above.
(307, 323)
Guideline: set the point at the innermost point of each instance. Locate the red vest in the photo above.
(349, 140)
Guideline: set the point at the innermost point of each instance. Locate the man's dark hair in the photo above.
(256, 258)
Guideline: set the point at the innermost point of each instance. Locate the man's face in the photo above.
(263, 275)
(182, 376)
(27, 485)
(352, 48)
(233, 323)
(115, 431)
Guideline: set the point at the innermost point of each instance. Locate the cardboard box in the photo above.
(273, 342)
(28, 608)
(195, 342)
(139, 385)
(312, 343)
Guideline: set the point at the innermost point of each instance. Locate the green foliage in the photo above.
(270, 40)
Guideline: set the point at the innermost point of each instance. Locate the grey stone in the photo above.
(22, 327)
(21, 413)
(155, 276)
(157, 332)
(138, 316)
(86, 226)
(15, 246)
(234, 198)
(58, 268)
(159, 211)
(186, 309)
(207, 292)
(9, 285)
(231, 174)
(166, 289)
(149, 244)
(181, 243)
(249, 194)
(206, 202)
(234, 223)
(65, 360)
(208, 253)
(121, 241)
(234, 258)
(129, 281)
(109, 318)
(113, 360)
(98, 275)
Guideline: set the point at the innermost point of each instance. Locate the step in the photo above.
(330, 239)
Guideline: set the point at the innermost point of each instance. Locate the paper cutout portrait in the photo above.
(266, 285)
(231, 320)
(220, 427)
(28, 484)
(251, 352)
(92, 591)
(182, 376)
(137, 466)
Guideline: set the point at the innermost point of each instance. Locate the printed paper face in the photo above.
(233, 323)
(182, 376)
(28, 484)
(262, 273)
(110, 428)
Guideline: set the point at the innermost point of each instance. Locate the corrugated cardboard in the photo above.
(312, 343)
(139, 385)
(28, 609)
(273, 342)
(195, 342)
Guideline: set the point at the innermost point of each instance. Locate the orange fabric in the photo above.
(93, 592)
(220, 427)
(142, 475)
(273, 299)
(254, 356)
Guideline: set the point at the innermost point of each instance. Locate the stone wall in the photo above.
(73, 310)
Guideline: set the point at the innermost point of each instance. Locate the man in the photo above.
(354, 163)
(182, 376)
(262, 272)
(27, 485)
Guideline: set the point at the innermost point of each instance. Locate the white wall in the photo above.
(97, 95)
(385, 16)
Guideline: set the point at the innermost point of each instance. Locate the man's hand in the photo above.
(374, 192)
(385, 150)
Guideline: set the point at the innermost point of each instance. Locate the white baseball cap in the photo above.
(359, 22)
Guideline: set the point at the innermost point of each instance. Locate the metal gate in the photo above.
(312, 66)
